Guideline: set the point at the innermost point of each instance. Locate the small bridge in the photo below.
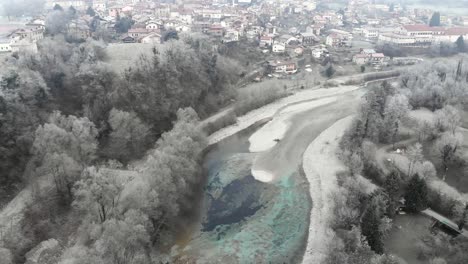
(445, 223)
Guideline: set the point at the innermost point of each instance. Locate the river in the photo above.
(249, 221)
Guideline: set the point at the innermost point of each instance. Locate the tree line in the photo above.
(68, 117)
(439, 87)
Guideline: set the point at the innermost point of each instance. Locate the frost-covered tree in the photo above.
(447, 119)
(129, 135)
(396, 108)
(62, 148)
(415, 156)
(353, 161)
(447, 146)
(98, 193)
(126, 240)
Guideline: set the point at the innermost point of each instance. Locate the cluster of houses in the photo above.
(260, 22)
(391, 23)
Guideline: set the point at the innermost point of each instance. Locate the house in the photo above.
(378, 59)
(99, 5)
(368, 51)
(270, 29)
(216, 31)
(309, 38)
(373, 21)
(336, 40)
(24, 45)
(370, 33)
(138, 32)
(152, 38)
(5, 45)
(288, 67)
(319, 52)
(79, 31)
(370, 58)
(30, 33)
(289, 40)
(201, 26)
(299, 50)
(361, 59)
(154, 25)
(115, 11)
(231, 36)
(127, 39)
(278, 47)
(186, 17)
(266, 41)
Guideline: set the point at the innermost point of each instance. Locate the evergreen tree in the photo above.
(435, 20)
(462, 221)
(123, 24)
(392, 188)
(170, 34)
(58, 7)
(461, 47)
(90, 11)
(371, 223)
(416, 195)
(329, 71)
(392, 184)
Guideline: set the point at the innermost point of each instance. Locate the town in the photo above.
(291, 34)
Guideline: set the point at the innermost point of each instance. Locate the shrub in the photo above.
(258, 95)
(225, 120)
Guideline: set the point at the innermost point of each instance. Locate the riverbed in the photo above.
(249, 221)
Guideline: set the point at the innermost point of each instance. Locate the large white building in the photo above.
(423, 35)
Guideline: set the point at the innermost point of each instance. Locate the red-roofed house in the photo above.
(266, 41)
(288, 67)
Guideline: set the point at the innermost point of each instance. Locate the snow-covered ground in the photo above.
(262, 175)
(268, 136)
(268, 111)
(321, 165)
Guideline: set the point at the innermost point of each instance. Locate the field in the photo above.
(121, 55)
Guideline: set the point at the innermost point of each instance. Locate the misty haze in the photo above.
(233, 131)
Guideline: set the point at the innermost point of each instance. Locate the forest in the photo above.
(433, 149)
(112, 160)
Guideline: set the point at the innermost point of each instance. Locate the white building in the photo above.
(319, 52)
(152, 38)
(287, 67)
(397, 39)
(370, 33)
(5, 45)
(279, 47)
(423, 35)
